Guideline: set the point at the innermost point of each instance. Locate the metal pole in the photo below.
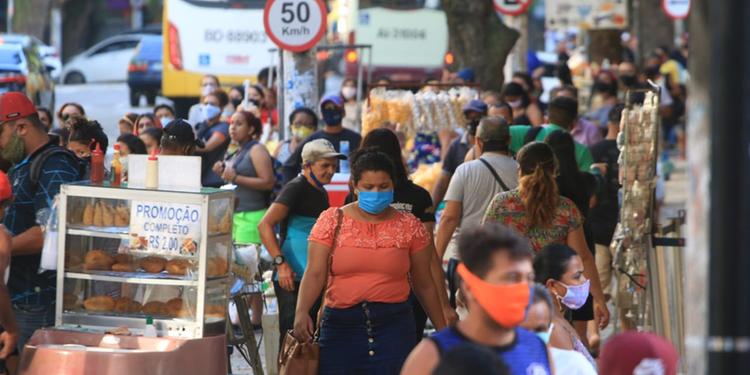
(9, 16)
(300, 82)
(360, 75)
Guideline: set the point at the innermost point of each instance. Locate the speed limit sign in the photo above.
(295, 25)
(512, 7)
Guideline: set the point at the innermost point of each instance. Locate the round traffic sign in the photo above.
(295, 25)
(676, 9)
(512, 7)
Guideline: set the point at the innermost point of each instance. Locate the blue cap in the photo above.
(476, 106)
(335, 99)
(467, 74)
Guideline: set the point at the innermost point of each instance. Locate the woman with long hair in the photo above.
(537, 210)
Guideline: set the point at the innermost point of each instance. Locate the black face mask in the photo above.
(472, 127)
(628, 80)
(603, 87)
(236, 102)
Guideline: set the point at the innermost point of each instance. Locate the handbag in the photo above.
(303, 358)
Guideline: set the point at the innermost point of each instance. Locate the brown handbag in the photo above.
(303, 358)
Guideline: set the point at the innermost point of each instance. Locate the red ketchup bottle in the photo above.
(97, 165)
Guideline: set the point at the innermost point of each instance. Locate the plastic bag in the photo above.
(49, 249)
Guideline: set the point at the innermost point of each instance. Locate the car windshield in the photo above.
(150, 49)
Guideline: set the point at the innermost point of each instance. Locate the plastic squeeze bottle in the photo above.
(97, 165)
(116, 167)
(150, 330)
(152, 171)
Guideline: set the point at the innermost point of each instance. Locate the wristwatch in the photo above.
(279, 260)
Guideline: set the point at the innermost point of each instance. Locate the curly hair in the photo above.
(371, 160)
(88, 132)
(537, 184)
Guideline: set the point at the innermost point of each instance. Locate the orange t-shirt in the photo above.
(371, 261)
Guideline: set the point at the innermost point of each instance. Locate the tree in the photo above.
(31, 17)
(479, 40)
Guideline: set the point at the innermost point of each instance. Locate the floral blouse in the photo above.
(507, 208)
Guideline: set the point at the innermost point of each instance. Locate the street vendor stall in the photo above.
(143, 281)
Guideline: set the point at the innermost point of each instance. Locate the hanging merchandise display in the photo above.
(638, 144)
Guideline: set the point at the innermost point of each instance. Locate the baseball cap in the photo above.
(467, 74)
(475, 106)
(6, 192)
(638, 352)
(319, 149)
(15, 105)
(335, 99)
(493, 129)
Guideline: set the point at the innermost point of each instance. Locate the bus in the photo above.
(409, 38)
(221, 37)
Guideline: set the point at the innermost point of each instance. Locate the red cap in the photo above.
(6, 192)
(628, 351)
(15, 105)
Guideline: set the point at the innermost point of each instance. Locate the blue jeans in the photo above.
(31, 318)
(369, 338)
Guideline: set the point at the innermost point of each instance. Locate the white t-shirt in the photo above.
(570, 362)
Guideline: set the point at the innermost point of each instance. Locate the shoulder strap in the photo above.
(532, 134)
(35, 170)
(494, 174)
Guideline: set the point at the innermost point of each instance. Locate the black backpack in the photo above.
(38, 163)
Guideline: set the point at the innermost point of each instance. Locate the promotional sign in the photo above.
(676, 9)
(168, 228)
(295, 25)
(586, 14)
(512, 7)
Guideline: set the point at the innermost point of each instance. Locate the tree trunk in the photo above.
(605, 44)
(31, 17)
(479, 40)
(655, 29)
(77, 26)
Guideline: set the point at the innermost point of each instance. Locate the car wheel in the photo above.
(151, 98)
(74, 78)
(135, 98)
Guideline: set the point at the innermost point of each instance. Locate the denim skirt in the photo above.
(368, 338)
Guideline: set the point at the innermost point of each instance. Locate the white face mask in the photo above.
(207, 89)
(165, 120)
(515, 104)
(348, 92)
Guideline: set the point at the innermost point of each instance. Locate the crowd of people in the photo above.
(507, 254)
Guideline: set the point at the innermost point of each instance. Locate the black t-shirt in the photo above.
(604, 216)
(293, 165)
(411, 198)
(455, 156)
(303, 199)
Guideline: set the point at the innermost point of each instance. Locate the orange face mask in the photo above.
(505, 304)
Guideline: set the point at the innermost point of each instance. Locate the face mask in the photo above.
(628, 80)
(348, 92)
(301, 133)
(472, 127)
(210, 111)
(315, 179)
(236, 102)
(546, 335)
(14, 151)
(516, 103)
(374, 202)
(576, 295)
(332, 117)
(506, 304)
(165, 120)
(208, 89)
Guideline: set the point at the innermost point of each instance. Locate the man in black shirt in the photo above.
(604, 216)
(332, 109)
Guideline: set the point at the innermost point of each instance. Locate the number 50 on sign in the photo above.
(295, 25)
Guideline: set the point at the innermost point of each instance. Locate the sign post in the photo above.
(296, 26)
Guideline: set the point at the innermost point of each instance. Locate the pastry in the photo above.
(189, 246)
(76, 214)
(226, 223)
(99, 214)
(123, 267)
(120, 331)
(70, 301)
(216, 266)
(127, 305)
(122, 258)
(178, 266)
(99, 303)
(176, 307)
(97, 260)
(155, 308)
(122, 215)
(152, 264)
(108, 215)
(215, 311)
(88, 214)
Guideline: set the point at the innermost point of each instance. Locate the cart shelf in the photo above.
(131, 278)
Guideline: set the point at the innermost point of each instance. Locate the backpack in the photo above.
(35, 170)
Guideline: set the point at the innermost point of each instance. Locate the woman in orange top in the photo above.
(367, 325)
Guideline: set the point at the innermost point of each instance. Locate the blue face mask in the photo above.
(546, 335)
(332, 117)
(374, 202)
(210, 111)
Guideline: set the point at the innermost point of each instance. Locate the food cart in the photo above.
(128, 256)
